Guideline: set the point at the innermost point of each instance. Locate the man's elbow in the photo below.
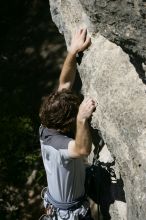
(76, 150)
(66, 86)
(85, 152)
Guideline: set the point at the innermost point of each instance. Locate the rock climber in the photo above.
(62, 113)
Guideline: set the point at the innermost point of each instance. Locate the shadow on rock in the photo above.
(101, 185)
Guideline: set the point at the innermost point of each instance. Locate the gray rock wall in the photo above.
(110, 71)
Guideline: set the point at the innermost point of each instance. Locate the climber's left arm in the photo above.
(79, 43)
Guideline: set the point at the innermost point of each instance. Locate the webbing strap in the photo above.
(65, 206)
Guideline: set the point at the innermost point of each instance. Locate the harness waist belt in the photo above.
(65, 206)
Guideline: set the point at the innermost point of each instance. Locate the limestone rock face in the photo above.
(111, 77)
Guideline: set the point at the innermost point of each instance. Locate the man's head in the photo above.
(59, 110)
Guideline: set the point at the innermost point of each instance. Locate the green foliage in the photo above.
(19, 156)
(27, 32)
(31, 159)
(18, 141)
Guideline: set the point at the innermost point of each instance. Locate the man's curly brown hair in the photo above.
(59, 110)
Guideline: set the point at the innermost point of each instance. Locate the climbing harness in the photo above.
(63, 210)
(50, 210)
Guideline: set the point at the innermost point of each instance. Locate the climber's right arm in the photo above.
(79, 43)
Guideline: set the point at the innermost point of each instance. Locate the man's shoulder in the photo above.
(53, 138)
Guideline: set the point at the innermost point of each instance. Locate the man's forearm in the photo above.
(83, 140)
(68, 72)
(79, 43)
(82, 144)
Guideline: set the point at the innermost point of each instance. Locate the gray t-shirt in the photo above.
(65, 175)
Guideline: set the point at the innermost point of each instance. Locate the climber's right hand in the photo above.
(80, 41)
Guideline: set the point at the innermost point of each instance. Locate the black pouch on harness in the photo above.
(92, 182)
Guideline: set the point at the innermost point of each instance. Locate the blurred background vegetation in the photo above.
(31, 55)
